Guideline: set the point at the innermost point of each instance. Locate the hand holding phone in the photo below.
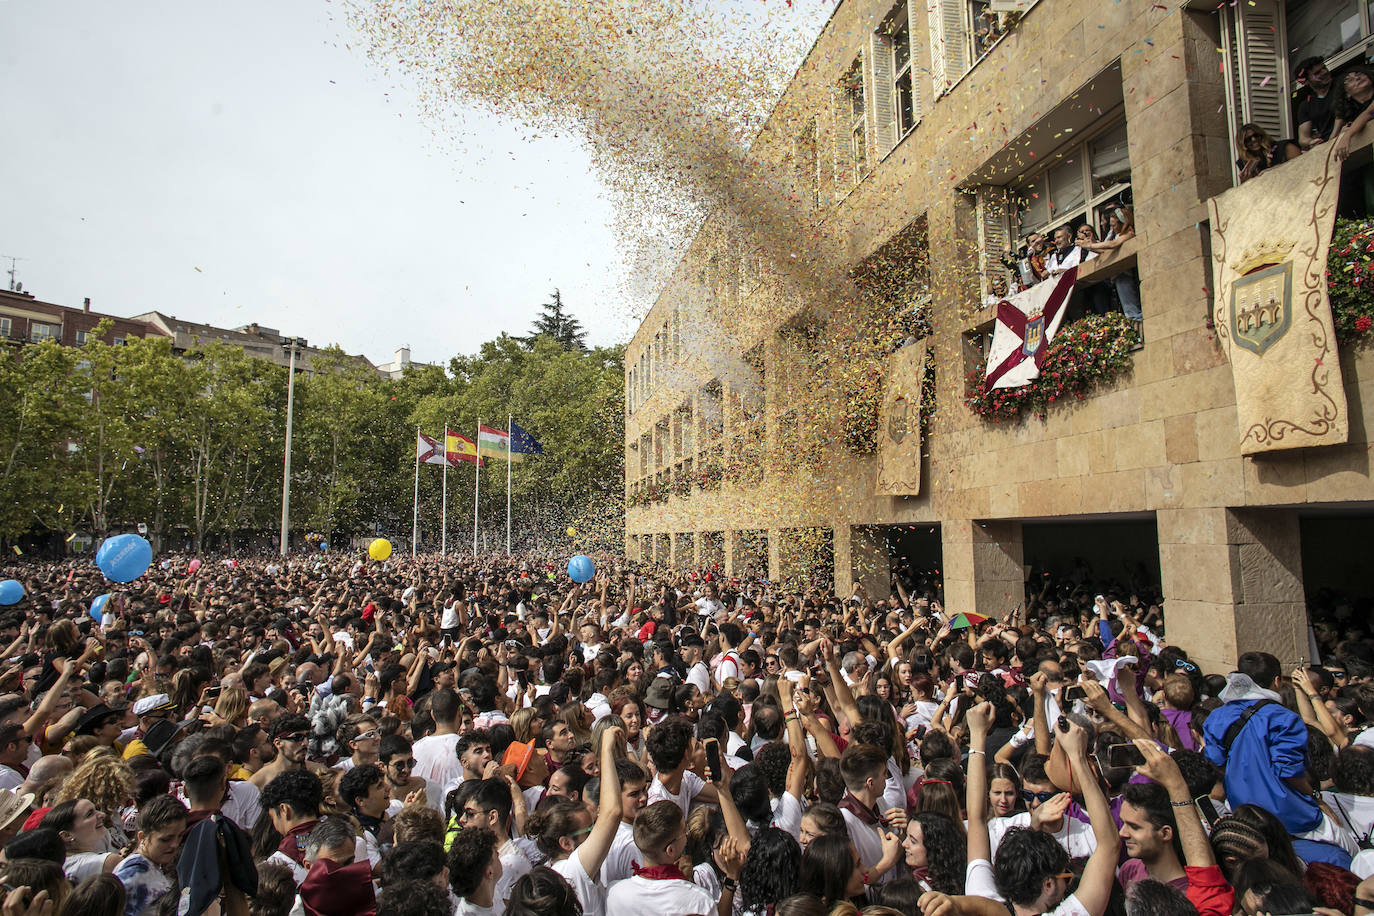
(1125, 755)
(713, 768)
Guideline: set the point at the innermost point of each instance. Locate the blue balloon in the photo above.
(581, 568)
(11, 591)
(124, 557)
(98, 607)
(324, 545)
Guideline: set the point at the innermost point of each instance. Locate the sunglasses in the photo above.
(475, 812)
(292, 738)
(368, 735)
(1028, 796)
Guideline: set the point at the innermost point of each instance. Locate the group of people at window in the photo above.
(1071, 244)
(1330, 108)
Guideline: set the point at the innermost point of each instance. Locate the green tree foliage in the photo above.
(104, 437)
(556, 322)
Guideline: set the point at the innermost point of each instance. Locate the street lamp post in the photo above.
(291, 346)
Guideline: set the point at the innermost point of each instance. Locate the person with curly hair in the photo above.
(771, 870)
(936, 852)
(108, 782)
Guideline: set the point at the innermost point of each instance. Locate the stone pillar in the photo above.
(775, 552)
(983, 566)
(861, 556)
(1233, 584)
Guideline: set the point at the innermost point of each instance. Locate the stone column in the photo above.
(983, 566)
(861, 556)
(775, 552)
(1233, 584)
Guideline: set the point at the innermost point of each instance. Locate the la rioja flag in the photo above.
(1026, 323)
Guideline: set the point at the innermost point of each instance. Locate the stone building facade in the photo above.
(916, 143)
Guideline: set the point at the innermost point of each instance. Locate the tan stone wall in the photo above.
(1164, 439)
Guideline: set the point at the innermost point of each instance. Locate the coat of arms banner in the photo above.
(1269, 242)
(899, 429)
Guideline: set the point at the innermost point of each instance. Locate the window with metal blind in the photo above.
(906, 103)
(852, 129)
(1254, 42)
(994, 240)
(807, 165)
(1080, 184)
(949, 42)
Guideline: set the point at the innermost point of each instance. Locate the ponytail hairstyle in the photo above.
(542, 892)
(554, 819)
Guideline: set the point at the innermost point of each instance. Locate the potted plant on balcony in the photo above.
(1350, 279)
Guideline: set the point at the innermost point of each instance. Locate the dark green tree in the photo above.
(555, 322)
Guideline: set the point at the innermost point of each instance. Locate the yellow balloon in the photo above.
(572, 532)
(379, 549)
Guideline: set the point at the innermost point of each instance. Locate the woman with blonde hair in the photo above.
(526, 724)
(232, 706)
(108, 783)
(603, 725)
(578, 718)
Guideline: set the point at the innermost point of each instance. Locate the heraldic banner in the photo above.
(1269, 242)
(1026, 323)
(899, 430)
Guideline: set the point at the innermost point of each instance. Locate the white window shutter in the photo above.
(1255, 56)
(844, 161)
(917, 60)
(993, 235)
(948, 43)
(882, 115)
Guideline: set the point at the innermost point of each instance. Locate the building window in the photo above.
(903, 84)
(39, 331)
(1084, 181)
(987, 26)
(1326, 28)
(118, 341)
(853, 139)
(6, 327)
(81, 337)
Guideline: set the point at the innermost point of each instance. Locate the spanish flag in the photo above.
(459, 448)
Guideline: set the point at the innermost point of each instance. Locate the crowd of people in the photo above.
(330, 736)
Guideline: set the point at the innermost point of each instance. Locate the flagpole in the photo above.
(443, 522)
(415, 506)
(508, 461)
(476, 481)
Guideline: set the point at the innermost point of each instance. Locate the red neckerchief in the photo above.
(865, 814)
(293, 844)
(658, 872)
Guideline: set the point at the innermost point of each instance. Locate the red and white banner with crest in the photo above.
(1026, 323)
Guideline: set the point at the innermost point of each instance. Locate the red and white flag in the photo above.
(428, 450)
(1026, 323)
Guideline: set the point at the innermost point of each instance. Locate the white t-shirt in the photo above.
(1359, 809)
(868, 841)
(435, 759)
(468, 908)
(624, 853)
(700, 677)
(589, 892)
(514, 864)
(79, 866)
(978, 882)
(728, 668)
(691, 785)
(1075, 836)
(450, 621)
(662, 897)
(787, 814)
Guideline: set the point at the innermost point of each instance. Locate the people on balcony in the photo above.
(1066, 253)
(1316, 114)
(1259, 151)
(1354, 104)
(1120, 230)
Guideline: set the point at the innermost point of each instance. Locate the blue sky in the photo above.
(232, 163)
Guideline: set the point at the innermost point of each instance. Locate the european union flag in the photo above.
(522, 443)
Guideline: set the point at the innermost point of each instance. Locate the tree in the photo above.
(554, 322)
(40, 407)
